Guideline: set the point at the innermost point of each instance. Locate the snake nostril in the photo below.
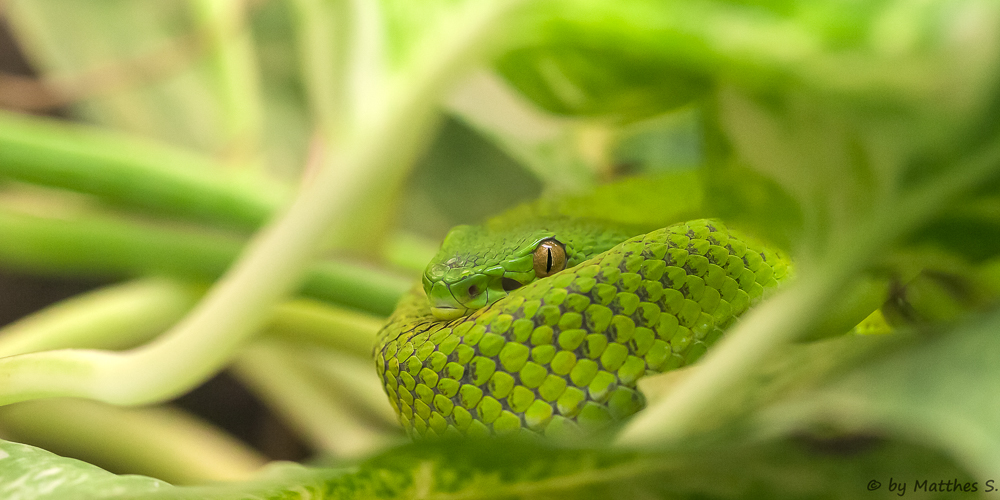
(473, 291)
(511, 284)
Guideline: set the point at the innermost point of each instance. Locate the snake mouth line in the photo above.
(449, 313)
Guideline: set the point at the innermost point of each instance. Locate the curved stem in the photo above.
(277, 374)
(125, 315)
(315, 323)
(275, 261)
(124, 169)
(162, 442)
(109, 318)
(106, 246)
(233, 60)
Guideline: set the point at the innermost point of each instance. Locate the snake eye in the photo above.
(550, 258)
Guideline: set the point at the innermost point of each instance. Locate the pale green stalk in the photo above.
(126, 315)
(162, 442)
(98, 245)
(341, 47)
(790, 314)
(132, 171)
(354, 380)
(275, 261)
(233, 62)
(316, 412)
(113, 317)
(310, 322)
(321, 27)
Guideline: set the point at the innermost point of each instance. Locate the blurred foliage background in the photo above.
(126, 73)
(228, 85)
(144, 144)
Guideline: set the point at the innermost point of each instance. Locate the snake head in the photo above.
(476, 268)
(479, 265)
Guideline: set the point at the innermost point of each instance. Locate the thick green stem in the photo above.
(162, 442)
(315, 410)
(115, 317)
(233, 62)
(307, 322)
(123, 169)
(354, 381)
(105, 246)
(127, 315)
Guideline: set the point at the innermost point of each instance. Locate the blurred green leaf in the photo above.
(861, 136)
(969, 228)
(888, 51)
(598, 80)
(937, 391)
(29, 473)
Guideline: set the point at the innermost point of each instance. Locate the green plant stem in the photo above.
(343, 67)
(162, 442)
(233, 62)
(354, 380)
(314, 410)
(791, 313)
(276, 260)
(105, 246)
(124, 169)
(126, 315)
(321, 29)
(307, 322)
(113, 317)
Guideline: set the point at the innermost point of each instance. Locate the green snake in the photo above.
(546, 325)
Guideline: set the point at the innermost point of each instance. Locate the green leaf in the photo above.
(599, 80)
(970, 228)
(28, 473)
(884, 52)
(649, 201)
(937, 391)
(797, 467)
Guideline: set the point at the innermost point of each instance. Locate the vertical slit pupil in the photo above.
(548, 263)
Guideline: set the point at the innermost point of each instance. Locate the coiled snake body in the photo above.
(546, 326)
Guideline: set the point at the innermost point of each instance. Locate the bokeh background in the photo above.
(428, 208)
(146, 69)
(860, 136)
